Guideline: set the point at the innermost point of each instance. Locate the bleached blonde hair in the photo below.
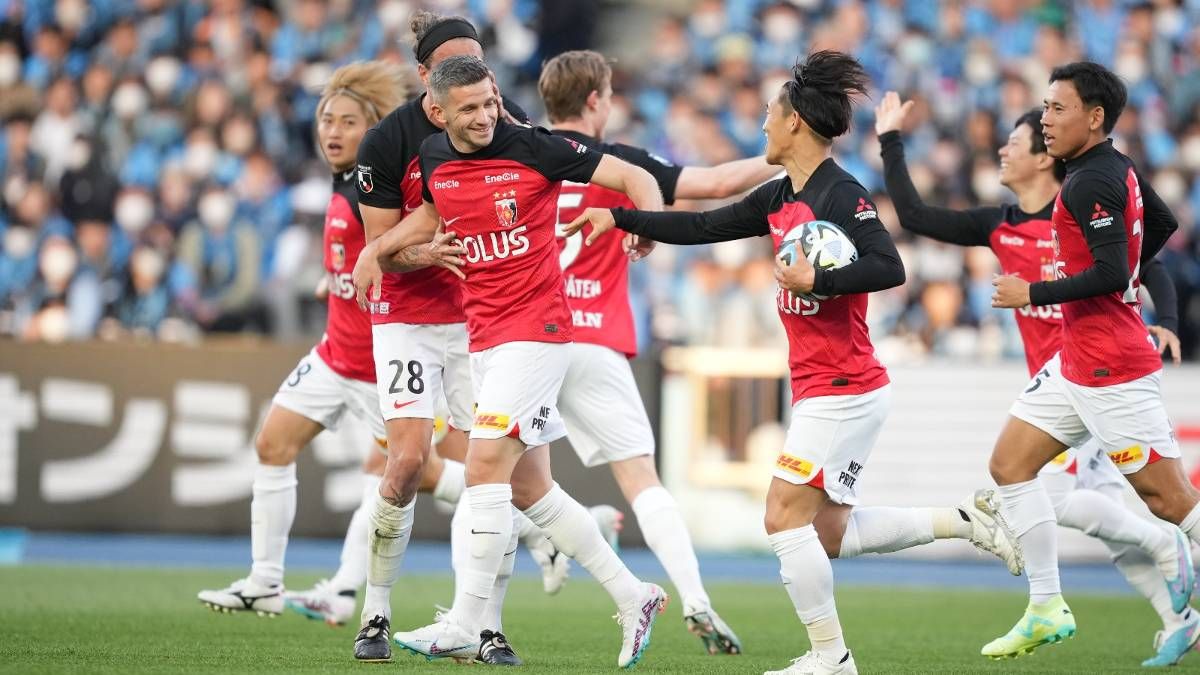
(378, 86)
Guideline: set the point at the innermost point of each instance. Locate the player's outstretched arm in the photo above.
(724, 180)
(634, 181)
(388, 252)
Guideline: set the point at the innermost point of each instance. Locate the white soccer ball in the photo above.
(823, 243)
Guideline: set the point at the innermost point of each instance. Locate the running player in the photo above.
(576, 89)
(497, 185)
(1104, 382)
(840, 391)
(327, 382)
(1084, 485)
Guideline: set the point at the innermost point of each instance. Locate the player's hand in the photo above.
(1167, 341)
(446, 251)
(890, 113)
(637, 247)
(504, 114)
(1012, 292)
(798, 278)
(322, 290)
(601, 219)
(367, 276)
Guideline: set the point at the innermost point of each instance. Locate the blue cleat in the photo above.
(1181, 586)
(1172, 648)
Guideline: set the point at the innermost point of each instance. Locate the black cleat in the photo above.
(373, 642)
(494, 650)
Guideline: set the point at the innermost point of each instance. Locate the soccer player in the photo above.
(840, 392)
(496, 184)
(1104, 382)
(1084, 486)
(576, 89)
(327, 382)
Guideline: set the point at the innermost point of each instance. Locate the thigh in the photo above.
(791, 505)
(602, 408)
(517, 386)
(362, 398)
(284, 434)
(456, 377)
(531, 478)
(1128, 421)
(408, 369)
(1044, 404)
(312, 391)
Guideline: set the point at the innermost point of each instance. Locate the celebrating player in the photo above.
(327, 382)
(1104, 382)
(1084, 486)
(497, 184)
(840, 391)
(576, 88)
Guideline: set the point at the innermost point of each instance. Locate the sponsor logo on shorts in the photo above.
(850, 475)
(543, 416)
(1061, 458)
(491, 421)
(1129, 455)
(398, 405)
(800, 467)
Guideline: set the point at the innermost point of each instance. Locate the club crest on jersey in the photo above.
(338, 251)
(865, 210)
(365, 182)
(506, 208)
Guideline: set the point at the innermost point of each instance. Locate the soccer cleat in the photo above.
(440, 640)
(555, 565)
(323, 602)
(812, 664)
(494, 650)
(371, 644)
(1181, 586)
(1172, 648)
(1043, 624)
(611, 522)
(244, 595)
(990, 532)
(717, 636)
(637, 621)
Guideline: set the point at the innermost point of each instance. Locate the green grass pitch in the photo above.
(132, 620)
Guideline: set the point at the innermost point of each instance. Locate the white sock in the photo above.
(527, 532)
(272, 510)
(491, 529)
(451, 483)
(352, 573)
(884, 529)
(1100, 516)
(1030, 514)
(666, 534)
(492, 619)
(572, 530)
(1142, 573)
(808, 578)
(460, 541)
(1191, 524)
(388, 530)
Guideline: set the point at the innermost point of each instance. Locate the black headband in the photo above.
(443, 32)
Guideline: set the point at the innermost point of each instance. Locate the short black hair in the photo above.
(821, 89)
(1097, 86)
(1037, 141)
(456, 71)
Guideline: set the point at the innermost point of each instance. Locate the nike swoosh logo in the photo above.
(398, 405)
(474, 531)
(450, 222)
(410, 209)
(348, 174)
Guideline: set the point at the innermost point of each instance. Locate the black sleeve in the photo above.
(878, 266)
(1158, 222)
(379, 179)
(425, 193)
(972, 227)
(664, 172)
(518, 113)
(1158, 284)
(1097, 203)
(747, 218)
(558, 158)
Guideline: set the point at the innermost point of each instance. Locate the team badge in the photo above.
(338, 251)
(506, 208)
(365, 182)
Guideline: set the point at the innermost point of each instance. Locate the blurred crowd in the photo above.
(160, 178)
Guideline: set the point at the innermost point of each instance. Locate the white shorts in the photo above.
(316, 392)
(1090, 466)
(829, 440)
(516, 389)
(416, 364)
(602, 408)
(1127, 420)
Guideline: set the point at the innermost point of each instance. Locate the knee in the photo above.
(1006, 471)
(274, 451)
(525, 496)
(402, 477)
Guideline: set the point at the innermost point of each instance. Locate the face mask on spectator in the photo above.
(10, 69)
(1171, 187)
(199, 159)
(15, 188)
(71, 14)
(980, 68)
(986, 183)
(216, 210)
(57, 263)
(707, 24)
(781, 28)
(129, 101)
(134, 211)
(53, 324)
(1189, 150)
(393, 15)
(18, 242)
(147, 266)
(162, 75)
(1130, 67)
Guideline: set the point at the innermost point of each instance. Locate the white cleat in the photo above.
(611, 522)
(244, 595)
(812, 664)
(555, 565)
(323, 603)
(442, 640)
(637, 621)
(990, 532)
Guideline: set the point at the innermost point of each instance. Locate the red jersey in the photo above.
(1104, 339)
(596, 276)
(1024, 244)
(502, 202)
(346, 345)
